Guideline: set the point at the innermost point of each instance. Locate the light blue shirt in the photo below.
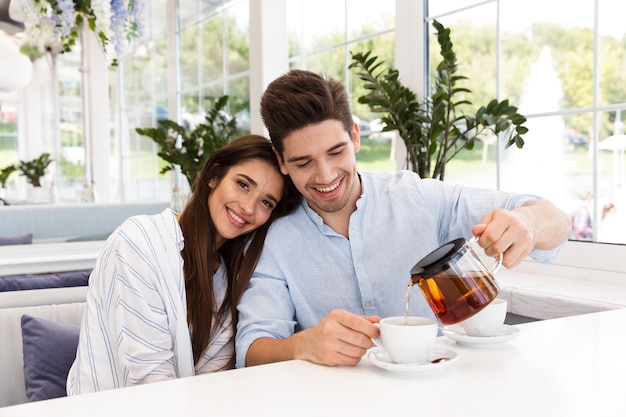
(307, 269)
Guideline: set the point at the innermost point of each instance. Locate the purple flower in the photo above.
(119, 21)
(63, 18)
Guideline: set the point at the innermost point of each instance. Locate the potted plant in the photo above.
(34, 170)
(5, 173)
(195, 146)
(436, 130)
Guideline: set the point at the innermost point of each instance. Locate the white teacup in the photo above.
(488, 321)
(408, 340)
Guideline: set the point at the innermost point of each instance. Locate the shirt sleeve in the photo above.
(267, 294)
(126, 327)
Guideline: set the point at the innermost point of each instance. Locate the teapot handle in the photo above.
(498, 258)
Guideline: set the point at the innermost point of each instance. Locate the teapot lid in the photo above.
(439, 260)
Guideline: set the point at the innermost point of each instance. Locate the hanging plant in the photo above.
(52, 25)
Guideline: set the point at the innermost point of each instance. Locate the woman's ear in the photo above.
(212, 183)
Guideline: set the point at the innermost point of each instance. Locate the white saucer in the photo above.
(457, 334)
(379, 357)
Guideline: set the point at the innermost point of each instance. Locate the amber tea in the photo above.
(454, 282)
(455, 298)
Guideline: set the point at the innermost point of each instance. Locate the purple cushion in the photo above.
(25, 239)
(39, 281)
(49, 349)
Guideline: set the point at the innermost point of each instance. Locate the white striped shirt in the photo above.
(134, 329)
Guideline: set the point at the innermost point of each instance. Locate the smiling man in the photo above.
(342, 260)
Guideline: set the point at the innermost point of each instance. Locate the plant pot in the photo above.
(37, 195)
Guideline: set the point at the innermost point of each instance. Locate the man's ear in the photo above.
(281, 161)
(356, 137)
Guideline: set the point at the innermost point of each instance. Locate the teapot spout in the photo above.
(415, 280)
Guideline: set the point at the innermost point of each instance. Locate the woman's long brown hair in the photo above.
(240, 255)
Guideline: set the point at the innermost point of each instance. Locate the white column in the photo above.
(269, 52)
(96, 120)
(410, 44)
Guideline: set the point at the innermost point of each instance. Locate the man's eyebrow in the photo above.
(306, 157)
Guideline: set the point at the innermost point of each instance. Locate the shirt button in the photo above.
(368, 304)
(358, 265)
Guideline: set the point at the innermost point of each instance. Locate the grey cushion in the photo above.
(39, 281)
(49, 349)
(25, 239)
(12, 389)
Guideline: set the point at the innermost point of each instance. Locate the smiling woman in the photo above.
(161, 264)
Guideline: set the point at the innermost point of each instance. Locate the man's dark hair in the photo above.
(302, 98)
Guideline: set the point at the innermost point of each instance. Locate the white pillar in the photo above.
(96, 117)
(410, 46)
(269, 52)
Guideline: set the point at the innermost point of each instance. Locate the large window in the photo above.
(323, 34)
(563, 70)
(566, 75)
(213, 61)
(8, 143)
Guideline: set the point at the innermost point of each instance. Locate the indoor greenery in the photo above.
(436, 130)
(196, 145)
(5, 173)
(34, 170)
(55, 24)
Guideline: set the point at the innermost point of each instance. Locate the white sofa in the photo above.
(68, 309)
(63, 222)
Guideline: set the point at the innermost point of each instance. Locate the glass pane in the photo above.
(546, 39)
(539, 167)
(324, 25)
(438, 7)
(365, 17)
(384, 48)
(210, 94)
(8, 149)
(295, 22)
(612, 181)
(612, 52)
(331, 62)
(8, 134)
(115, 135)
(157, 24)
(71, 161)
(212, 56)
(189, 58)
(473, 36)
(191, 111)
(187, 11)
(237, 25)
(239, 102)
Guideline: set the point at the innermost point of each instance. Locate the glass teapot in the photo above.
(455, 283)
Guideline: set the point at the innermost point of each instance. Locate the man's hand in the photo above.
(514, 233)
(341, 338)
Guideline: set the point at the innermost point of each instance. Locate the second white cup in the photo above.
(488, 321)
(409, 341)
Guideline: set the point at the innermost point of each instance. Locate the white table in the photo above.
(574, 366)
(48, 257)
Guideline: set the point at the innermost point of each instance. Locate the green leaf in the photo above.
(434, 130)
